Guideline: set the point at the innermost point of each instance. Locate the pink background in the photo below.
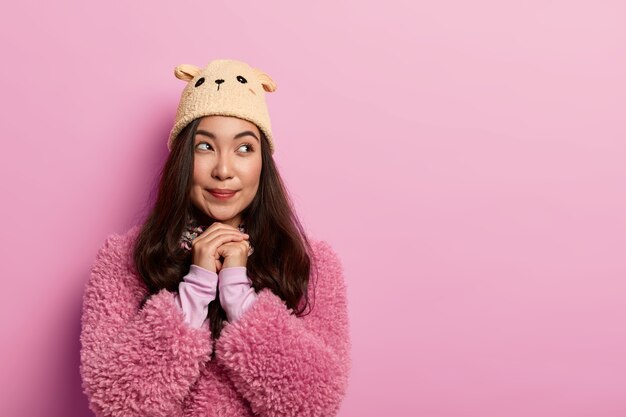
(465, 159)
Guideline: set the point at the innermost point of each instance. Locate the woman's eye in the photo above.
(202, 143)
(248, 146)
(205, 146)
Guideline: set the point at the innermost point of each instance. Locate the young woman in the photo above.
(218, 304)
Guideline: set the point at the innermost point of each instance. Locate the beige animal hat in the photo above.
(224, 87)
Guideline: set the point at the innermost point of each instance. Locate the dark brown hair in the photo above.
(281, 259)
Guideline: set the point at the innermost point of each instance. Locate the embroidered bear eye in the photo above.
(241, 79)
(199, 82)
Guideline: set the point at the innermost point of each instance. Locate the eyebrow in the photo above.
(237, 136)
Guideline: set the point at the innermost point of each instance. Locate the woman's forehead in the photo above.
(218, 124)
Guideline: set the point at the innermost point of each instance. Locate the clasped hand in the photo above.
(220, 241)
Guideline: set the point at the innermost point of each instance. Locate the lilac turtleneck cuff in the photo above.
(198, 289)
(236, 291)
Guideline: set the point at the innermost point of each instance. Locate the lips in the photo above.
(222, 191)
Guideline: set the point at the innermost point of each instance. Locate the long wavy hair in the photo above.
(281, 260)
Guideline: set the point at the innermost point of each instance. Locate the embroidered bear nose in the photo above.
(218, 82)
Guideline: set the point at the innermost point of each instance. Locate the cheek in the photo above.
(249, 174)
(253, 174)
(198, 174)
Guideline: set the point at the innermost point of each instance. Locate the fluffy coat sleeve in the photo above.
(135, 362)
(292, 366)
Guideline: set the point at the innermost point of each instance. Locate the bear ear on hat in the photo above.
(266, 81)
(186, 72)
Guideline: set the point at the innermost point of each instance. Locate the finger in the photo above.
(245, 244)
(239, 247)
(212, 247)
(223, 237)
(210, 234)
(216, 227)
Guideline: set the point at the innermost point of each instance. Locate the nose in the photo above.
(223, 168)
(219, 81)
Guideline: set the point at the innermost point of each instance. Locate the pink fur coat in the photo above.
(149, 362)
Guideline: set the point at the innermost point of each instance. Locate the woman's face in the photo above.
(227, 155)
